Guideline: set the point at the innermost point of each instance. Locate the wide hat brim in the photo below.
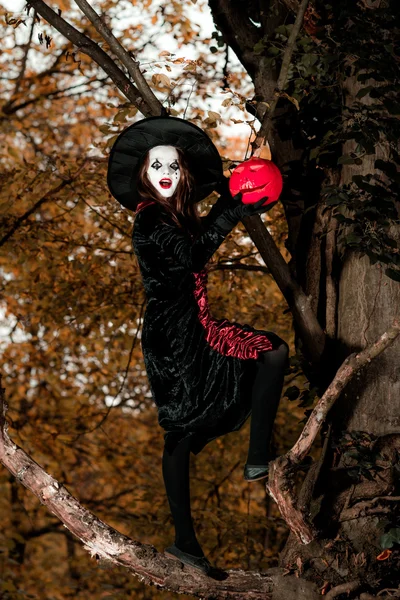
(132, 145)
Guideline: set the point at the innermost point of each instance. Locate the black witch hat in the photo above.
(132, 145)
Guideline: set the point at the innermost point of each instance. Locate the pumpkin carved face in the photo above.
(256, 178)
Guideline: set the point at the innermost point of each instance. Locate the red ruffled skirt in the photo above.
(227, 338)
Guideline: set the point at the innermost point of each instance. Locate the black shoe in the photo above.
(255, 472)
(200, 563)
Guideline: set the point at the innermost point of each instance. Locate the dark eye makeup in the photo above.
(156, 165)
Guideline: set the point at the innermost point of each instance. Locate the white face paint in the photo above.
(163, 170)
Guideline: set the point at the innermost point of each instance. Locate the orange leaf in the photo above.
(384, 555)
(324, 588)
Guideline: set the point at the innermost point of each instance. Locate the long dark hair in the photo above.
(180, 206)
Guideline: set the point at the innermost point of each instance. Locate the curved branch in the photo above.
(87, 46)
(104, 542)
(281, 470)
(131, 65)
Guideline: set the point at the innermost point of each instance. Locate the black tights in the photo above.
(265, 395)
(266, 392)
(175, 468)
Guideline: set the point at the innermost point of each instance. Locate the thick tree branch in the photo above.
(280, 484)
(309, 329)
(104, 542)
(129, 63)
(87, 46)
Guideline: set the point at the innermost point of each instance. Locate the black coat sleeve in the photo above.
(194, 254)
(215, 211)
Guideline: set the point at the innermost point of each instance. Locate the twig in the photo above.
(39, 203)
(343, 588)
(121, 387)
(25, 56)
(131, 65)
(367, 507)
(266, 124)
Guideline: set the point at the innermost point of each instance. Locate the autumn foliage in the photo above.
(73, 303)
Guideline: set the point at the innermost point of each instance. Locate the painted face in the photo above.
(163, 170)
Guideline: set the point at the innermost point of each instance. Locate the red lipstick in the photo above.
(165, 183)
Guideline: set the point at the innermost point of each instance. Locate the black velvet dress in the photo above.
(200, 386)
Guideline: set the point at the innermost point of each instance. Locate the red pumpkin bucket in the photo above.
(256, 178)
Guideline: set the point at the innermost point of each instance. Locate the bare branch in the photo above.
(281, 470)
(129, 63)
(39, 203)
(10, 107)
(348, 369)
(87, 46)
(27, 47)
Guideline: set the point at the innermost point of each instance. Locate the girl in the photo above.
(206, 375)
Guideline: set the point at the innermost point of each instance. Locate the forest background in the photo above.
(72, 366)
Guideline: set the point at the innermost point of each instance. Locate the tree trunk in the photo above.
(358, 488)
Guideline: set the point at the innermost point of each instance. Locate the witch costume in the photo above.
(206, 375)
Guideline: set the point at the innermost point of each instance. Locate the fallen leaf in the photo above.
(384, 555)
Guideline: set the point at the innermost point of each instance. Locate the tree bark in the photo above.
(352, 501)
(365, 291)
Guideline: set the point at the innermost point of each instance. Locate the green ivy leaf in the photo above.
(346, 160)
(364, 91)
(260, 46)
(390, 538)
(352, 239)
